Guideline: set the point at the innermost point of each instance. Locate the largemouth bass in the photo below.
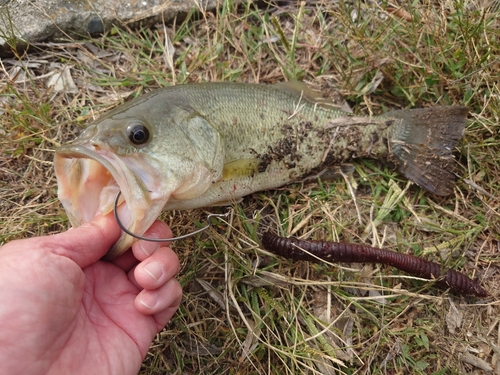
(199, 145)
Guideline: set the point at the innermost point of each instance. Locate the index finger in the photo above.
(143, 249)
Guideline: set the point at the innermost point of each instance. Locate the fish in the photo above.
(210, 144)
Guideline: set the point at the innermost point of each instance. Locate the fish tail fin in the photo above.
(421, 145)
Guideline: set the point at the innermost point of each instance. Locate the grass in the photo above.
(245, 311)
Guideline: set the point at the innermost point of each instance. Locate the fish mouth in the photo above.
(89, 179)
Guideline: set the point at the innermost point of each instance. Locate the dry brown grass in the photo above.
(245, 311)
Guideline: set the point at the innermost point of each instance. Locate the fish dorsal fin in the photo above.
(313, 96)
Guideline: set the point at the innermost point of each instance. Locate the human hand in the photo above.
(63, 311)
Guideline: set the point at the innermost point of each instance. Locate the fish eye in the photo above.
(138, 134)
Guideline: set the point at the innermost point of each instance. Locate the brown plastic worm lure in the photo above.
(316, 251)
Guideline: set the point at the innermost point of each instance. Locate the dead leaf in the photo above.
(454, 317)
(476, 362)
(62, 81)
(217, 296)
(251, 341)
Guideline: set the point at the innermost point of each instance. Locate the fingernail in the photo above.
(148, 247)
(154, 269)
(149, 299)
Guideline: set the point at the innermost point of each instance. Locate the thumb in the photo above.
(87, 243)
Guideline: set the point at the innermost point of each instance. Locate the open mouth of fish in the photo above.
(89, 180)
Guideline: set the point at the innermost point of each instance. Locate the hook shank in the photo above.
(124, 229)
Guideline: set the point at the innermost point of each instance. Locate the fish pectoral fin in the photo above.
(226, 203)
(240, 168)
(322, 99)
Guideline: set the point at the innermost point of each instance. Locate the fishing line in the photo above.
(123, 228)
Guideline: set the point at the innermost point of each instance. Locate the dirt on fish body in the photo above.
(198, 145)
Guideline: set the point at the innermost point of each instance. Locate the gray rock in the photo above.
(28, 21)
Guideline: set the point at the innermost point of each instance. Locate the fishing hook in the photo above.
(122, 227)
